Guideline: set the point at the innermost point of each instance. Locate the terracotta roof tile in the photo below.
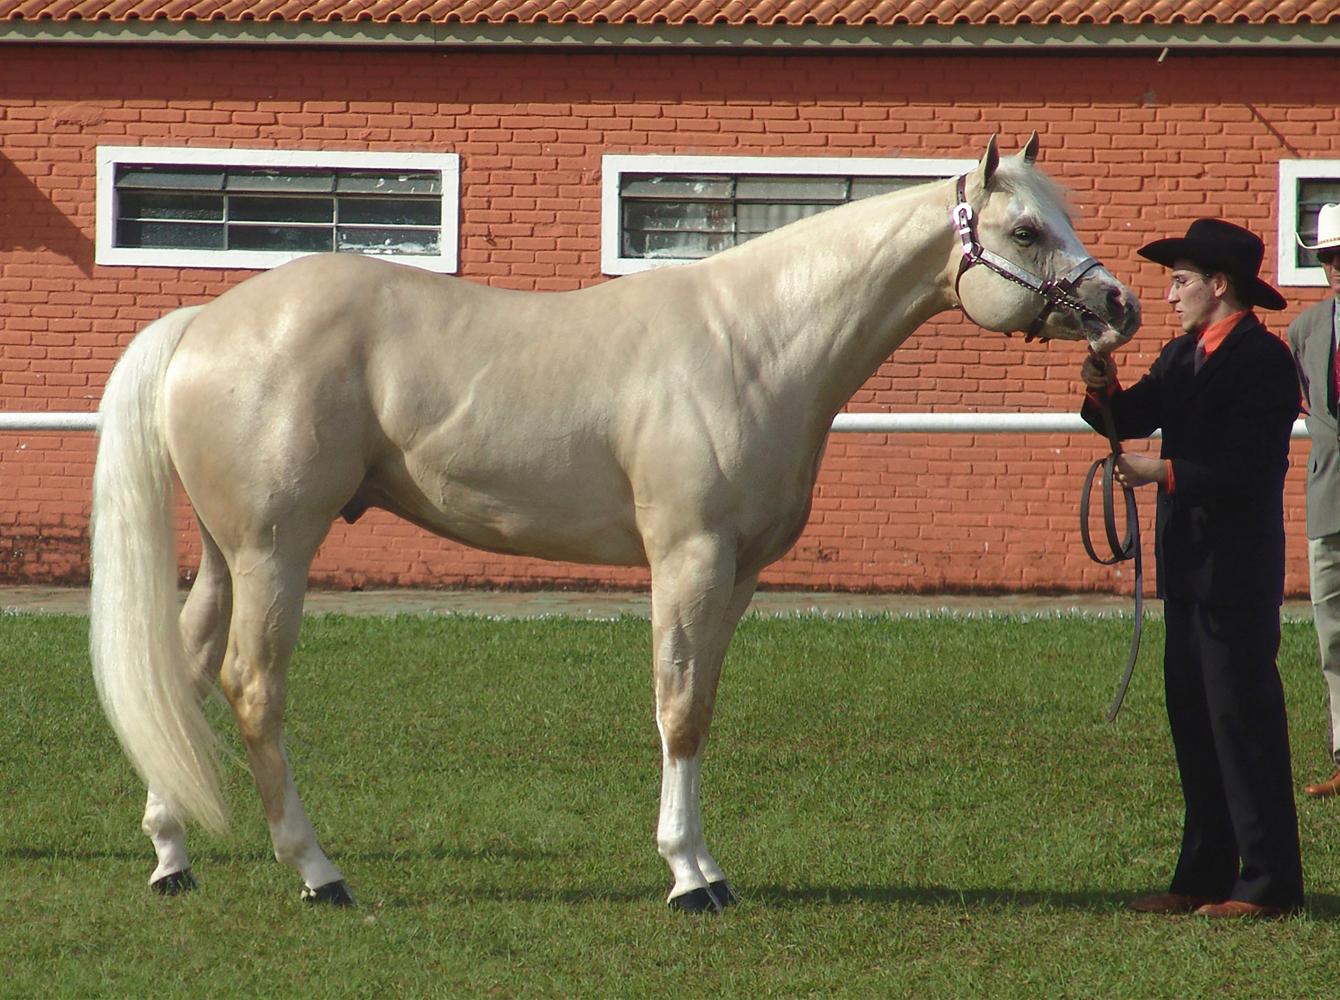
(682, 12)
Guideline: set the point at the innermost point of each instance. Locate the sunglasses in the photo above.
(1328, 257)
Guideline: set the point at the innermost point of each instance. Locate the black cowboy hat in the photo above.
(1222, 248)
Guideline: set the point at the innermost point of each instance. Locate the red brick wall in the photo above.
(1145, 146)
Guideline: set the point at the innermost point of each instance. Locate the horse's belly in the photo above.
(563, 521)
(604, 545)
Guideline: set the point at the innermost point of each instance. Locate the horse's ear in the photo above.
(1030, 150)
(990, 161)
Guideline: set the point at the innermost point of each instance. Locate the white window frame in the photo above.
(615, 165)
(1291, 174)
(109, 157)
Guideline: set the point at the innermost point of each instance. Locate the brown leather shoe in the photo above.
(1237, 909)
(1170, 903)
(1325, 789)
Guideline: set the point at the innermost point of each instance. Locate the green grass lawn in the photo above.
(929, 807)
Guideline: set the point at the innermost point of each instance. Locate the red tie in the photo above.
(1335, 377)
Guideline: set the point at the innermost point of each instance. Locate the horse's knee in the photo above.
(683, 735)
(685, 699)
(684, 718)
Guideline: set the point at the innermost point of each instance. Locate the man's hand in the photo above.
(1098, 371)
(1139, 470)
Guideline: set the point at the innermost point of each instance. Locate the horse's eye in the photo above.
(1025, 236)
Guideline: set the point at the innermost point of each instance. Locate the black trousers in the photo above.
(1230, 732)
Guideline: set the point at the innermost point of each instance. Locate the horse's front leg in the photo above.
(696, 604)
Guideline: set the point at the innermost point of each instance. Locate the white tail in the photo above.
(139, 660)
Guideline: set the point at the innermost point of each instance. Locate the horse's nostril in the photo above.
(1131, 313)
(1124, 308)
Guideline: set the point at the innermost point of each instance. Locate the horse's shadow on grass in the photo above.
(1324, 906)
(1320, 906)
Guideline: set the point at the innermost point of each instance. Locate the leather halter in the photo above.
(1057, 293)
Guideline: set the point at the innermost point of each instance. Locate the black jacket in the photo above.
(1220, 536)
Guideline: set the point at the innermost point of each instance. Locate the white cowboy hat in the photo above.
(1328, 229)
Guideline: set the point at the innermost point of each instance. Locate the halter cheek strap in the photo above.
(1056, 292)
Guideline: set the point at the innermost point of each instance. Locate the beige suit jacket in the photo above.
(1311, 336)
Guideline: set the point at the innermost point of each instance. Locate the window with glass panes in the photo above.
(304, 211)
(258, 208)
(1304, 187)
(1313, 192)
(666, 209)
(687, 217)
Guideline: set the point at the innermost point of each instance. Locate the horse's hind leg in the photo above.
(269, 581)
(204, 629)
(696, 604)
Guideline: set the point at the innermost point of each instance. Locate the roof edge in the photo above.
(840, 38)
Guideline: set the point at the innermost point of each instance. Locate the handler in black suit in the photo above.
(1225, 395)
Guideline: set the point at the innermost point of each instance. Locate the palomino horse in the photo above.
(673, 419)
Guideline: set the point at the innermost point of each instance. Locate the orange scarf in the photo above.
(1213, 335)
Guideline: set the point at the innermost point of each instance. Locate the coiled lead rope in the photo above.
(1122, 549)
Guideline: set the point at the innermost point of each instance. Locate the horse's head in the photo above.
(1018, 264)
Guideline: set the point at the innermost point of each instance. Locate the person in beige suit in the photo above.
(1313, 339)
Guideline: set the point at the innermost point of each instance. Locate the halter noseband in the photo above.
(1057, 293)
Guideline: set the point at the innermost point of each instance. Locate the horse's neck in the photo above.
(833, 298)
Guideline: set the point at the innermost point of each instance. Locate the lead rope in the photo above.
(1122, 549)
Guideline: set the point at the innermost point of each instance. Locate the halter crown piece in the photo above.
(1057, 293)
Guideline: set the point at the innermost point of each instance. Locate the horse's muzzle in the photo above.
(1121, 315)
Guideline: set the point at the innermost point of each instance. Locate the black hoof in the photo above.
(332, 894)
(175, 884)
(697, 901)
(723, 894)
